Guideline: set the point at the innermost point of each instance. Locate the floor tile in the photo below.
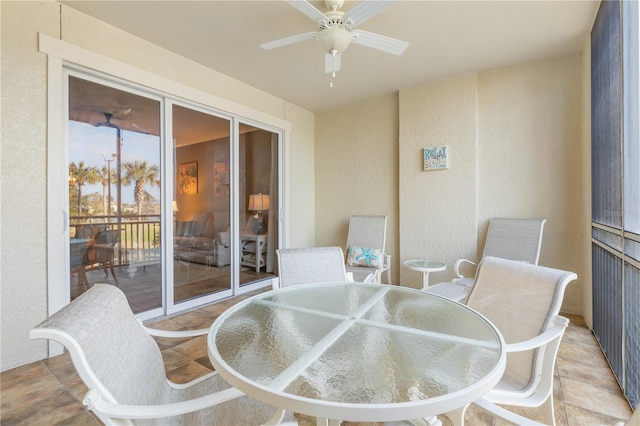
(579, 416)
(594, 398)
(58, 408)
(187, 372)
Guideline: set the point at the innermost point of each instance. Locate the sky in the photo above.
(87, 143)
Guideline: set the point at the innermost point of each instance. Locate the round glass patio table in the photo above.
(357, 352)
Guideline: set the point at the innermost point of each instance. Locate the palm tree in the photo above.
(80, 175)
(106, 181)
(140, 173)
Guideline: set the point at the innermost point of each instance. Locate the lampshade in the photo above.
(258, 202)
(175, 206)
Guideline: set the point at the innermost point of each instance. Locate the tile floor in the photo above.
(49, 392)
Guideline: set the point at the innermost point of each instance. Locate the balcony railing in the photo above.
(137, 232)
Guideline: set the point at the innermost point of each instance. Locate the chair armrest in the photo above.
(94, 401)
(175, 334)
(459, 262)
(504, 414)
(553, 332)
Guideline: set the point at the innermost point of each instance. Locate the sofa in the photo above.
(205, 236)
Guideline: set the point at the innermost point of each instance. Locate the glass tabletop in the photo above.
(363, 352)
(425, 265)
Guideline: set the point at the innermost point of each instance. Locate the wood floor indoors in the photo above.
(49, 392)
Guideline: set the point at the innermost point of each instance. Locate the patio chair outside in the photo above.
(106, 244)
(79, 262)
(523, 301)
(122, 366)
(366, 256)
(310, 265)
(514, 239)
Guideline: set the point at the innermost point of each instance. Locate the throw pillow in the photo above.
(364, 256)
(199, 222)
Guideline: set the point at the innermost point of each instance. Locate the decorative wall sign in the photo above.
(436, 158)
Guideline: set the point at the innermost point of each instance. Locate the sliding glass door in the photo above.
(257, 203)
(174, 203)
(114, 191)
(201, 204)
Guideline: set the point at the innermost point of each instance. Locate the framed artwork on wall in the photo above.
(221, 179)
(436, 158)
(188, 178)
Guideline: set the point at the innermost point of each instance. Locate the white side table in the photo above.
(425, 266)
(253, 250)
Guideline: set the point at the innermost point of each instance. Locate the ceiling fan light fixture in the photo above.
(333, 39)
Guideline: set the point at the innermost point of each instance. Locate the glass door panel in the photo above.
(202, 191)
(258, 204)
(114, 192)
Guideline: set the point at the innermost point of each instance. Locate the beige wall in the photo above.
(438, 208)
(23, 167)
(516, 149)
(356, 162)
(530, 157)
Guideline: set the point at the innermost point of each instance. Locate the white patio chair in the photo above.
(310, 265)
(514, 239)
(523, 302)
(106, 244)
(120, 363)
(366, 257)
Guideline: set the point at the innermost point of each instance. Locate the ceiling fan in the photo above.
(335, 32)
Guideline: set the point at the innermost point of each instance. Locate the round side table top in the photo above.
(425, 265)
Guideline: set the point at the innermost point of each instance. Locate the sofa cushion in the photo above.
(210, 229)
(183, 227)
(199, 223)
(364, 256)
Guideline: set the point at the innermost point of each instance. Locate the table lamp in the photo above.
(258, 203)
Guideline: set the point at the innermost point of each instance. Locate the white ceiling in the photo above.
(445, 38)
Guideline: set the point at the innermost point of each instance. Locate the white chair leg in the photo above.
(276, 419)
(547, 411)
(457, 416)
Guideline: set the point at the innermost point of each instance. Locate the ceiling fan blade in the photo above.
(367, 9)
(331, 63)
(379, 42)
(308, 9)
(288, 40)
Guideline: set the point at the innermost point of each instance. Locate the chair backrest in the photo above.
(111, 236)
(311, 265)
(367, 231)
(109, 347)
(521, 300)
(515, 239)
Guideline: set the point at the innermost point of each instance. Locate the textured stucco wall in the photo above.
(356, 161)
(23, 287)
(438, 208)
(515, 140)
(24, 145)
(530, 157)
(516, 149)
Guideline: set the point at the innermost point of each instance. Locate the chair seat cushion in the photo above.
(453, 291)
(360, 273)
(466, 282)
(238, 411)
